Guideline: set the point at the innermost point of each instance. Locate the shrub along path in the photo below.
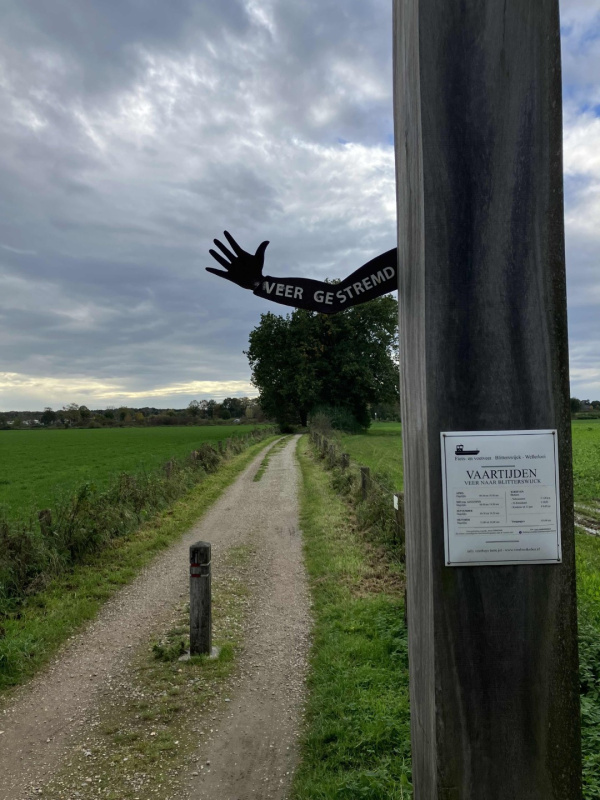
(252, 752)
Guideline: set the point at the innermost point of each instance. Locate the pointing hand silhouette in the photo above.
(241, 267)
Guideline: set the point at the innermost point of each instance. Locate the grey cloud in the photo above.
(94, 47)
(133, 132)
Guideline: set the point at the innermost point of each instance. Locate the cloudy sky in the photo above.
(133, 131)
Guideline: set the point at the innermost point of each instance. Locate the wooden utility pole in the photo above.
(483, 331)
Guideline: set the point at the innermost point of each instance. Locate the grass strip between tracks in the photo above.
(48, 618)
(356, 741)
(265, 462)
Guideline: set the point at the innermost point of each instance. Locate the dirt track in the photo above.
(254, 752)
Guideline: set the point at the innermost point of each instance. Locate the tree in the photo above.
(194, 408)
(48, 417)
(575, 405)
(212, 409)
(69, 415)
(344, 361)
(236, 406)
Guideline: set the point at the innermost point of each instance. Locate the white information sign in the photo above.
(501, 498)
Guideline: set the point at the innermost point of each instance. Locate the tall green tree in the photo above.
(345, 361)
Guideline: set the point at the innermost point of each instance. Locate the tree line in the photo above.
(198, 412)
(586, 407)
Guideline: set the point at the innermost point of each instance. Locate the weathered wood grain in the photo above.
(200, 599)
(483, 332)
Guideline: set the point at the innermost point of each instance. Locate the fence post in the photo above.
(399, 513)
(332, 455)
(345, 460)
(365, 479)
(200, 599)
(45, 519)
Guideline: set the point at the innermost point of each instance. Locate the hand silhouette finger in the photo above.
(218, 257)
(219, 273)
(260, 252)
(234, 245)
(224, 250)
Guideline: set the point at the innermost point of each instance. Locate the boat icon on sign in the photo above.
(460, 451)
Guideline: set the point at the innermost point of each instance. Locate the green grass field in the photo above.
(37, 467)
(586, 459)
(381, 450)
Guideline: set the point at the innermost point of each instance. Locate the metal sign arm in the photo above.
(375, 278)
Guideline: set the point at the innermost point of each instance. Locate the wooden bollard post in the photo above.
(200, 599)
(365, 478)
(332, 455)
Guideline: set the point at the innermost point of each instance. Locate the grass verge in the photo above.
(356, 742)
(588, 602)
(44, 620)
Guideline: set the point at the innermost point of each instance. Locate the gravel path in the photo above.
(254, 752)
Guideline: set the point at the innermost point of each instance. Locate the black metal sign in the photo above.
(376, 277)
